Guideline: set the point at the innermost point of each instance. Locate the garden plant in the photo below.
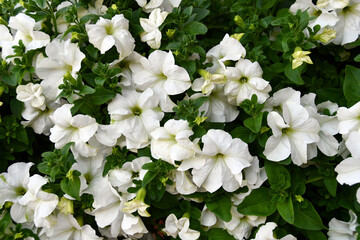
(179, 119)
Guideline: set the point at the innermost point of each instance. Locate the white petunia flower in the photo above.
(31, 93)
(349, 119)
(339, 4)
(244, 80)
(136, 116)
(182, 183)
(25, 32)
(265, 232)
(180, 227)
(164, 5)
(171, 143)
(221, 162)
(39, 120)
(280, 97)
(348, 27)
(343, 230)
(216, 106)
(78, 129)
(348, 170)
(228, 49)
(5, 36)
(152, 35)
(68, 228)
(115, 32)
(62, 57)
(292, 135)
(162, 75)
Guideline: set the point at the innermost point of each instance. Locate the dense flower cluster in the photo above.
(180, 139)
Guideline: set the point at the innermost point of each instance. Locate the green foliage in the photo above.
(220, 205)
(117, 158)
(260, 202)
(352, 84)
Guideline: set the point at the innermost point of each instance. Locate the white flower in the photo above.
(228, 49)
(62, 57)
(349, 169)
(165, 5)
(276, 102)
(137, 204)
(136, 116)
(25, 32)
(152, 34)
(221, 162)
(171, 143)
(37, 119)
(175, 227)
(31, 93)
(68, 228)
(216, 106)
(115, 32)
(78, 129)
(182, 183)
(291, 136)
(5, 36)
(265, 232)
(348, 27)
(343, 230)
(244, 80)
(349, 118)
(339, 4)
(323, 17)
(162, 75)
(122, 178)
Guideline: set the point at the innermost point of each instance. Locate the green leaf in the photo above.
(102, 95)
(150, 175)
(88, 17)
(4, 222)
(168, 201)
(331, 185)
(195, 28)
(357, 58)
(40, 3)
(254, 123)
(244, 134)
(278, 175)
(316, 235)
(21, 136)
(16, 107)
(219, 234)
(260, 202)
(86, 90)
(294, 74)
(200, 13)
(71, 184)
(265, 4)
(351, 84)
(11, 79)
(286, 209)
(306, 216)
(221, 207)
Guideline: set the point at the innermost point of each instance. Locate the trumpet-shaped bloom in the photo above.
(171, 143)
(164, 5)
(5, 36)
(25, 32)
(136, 116)
(292, 135)
(115, 32)
(67, 227)
(221, 162)
(300, 57)
(162, 75)
(31, 93)
(228, 49)
(343, 230)
(180, 227)
(349, 119)
(266, 233)
(78, 129)
(62, 57)
(348, 27)
(244, 80)
(152, 34)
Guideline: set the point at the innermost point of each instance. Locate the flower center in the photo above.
(20, 191)
(285, 130)
(243, 79)
(136, 111)
(109, 29)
